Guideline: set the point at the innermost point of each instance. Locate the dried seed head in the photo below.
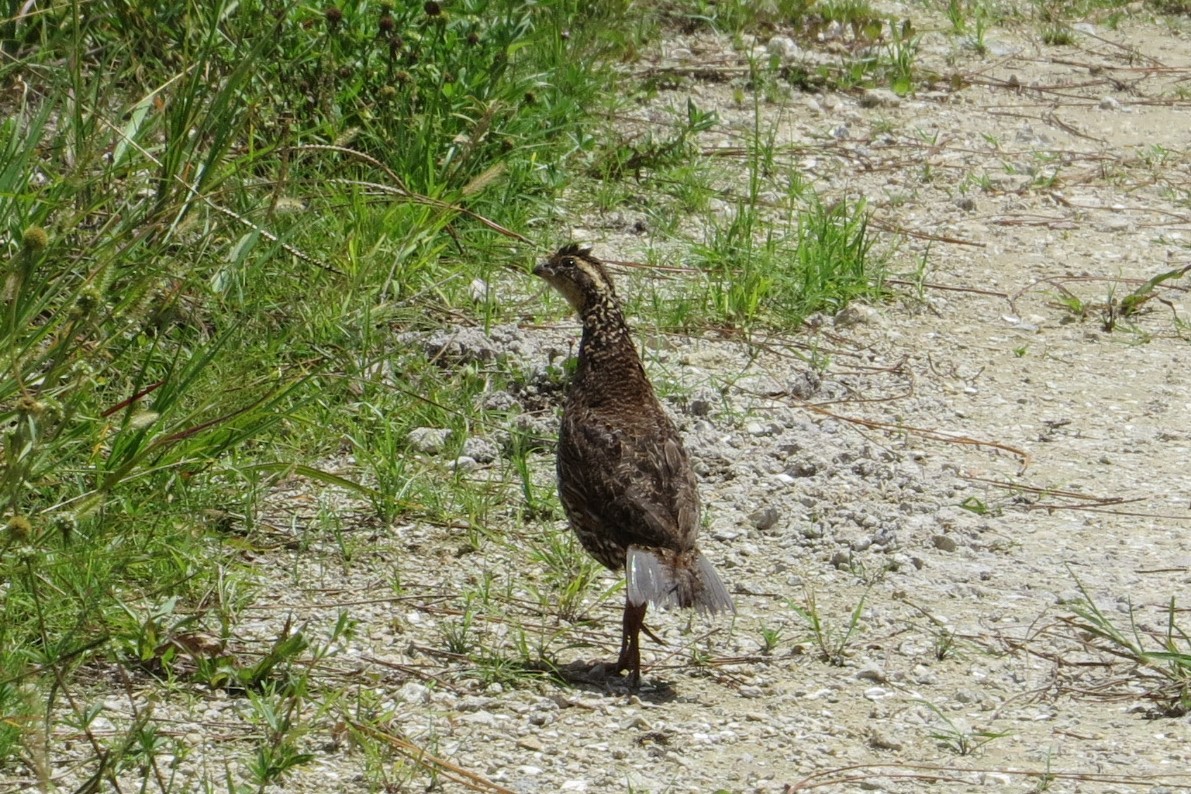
(333, 16)
(387, 24)
(432, 8)
(87, 300)
(473, 39)
(27, 406)
(35, 239)
(387, 92)
(18, 529)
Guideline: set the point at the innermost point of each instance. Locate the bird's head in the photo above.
(579, 276)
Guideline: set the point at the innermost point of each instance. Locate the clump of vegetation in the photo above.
(817, 258)
(213, 218)
(1160, 657)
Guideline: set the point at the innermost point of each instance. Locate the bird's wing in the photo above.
(638, 481)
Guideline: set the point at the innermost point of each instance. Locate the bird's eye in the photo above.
(569, 262)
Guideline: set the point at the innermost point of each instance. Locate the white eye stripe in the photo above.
(601, 283)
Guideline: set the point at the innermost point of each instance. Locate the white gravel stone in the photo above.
(785, 48)
(429, 440)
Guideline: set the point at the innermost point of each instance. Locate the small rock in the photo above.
(856, 314)
(944, 543)
(479, 718)
(473, 703)
(784, 48)
(968, 696)
(478, 290)
(464, 463)
(462, 345)
(498, 401)
(719, 207)
(430, 440)
(815, 320)
(872, 672)
(414, 693)
(879, 98)
(804, 385)
(725, 534)
(481, 449)
(966, 203)
(803, 468)
(879, 740)
(699, 407)
(636, 721)
(1109, 103)
(764, 518)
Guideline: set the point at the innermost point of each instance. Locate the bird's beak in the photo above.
(542, 269)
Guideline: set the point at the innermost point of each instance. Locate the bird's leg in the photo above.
(630, 648)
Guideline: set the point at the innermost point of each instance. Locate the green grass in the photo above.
(765, 273)
(736, 15)
(957, 737)
(1158, 657)
(833, 643)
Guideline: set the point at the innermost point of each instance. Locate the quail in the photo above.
(624, 477)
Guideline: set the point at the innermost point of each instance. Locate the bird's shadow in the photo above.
(597, 677)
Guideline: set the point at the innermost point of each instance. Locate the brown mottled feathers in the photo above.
(624, 477)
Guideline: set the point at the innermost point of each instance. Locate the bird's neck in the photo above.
(607, 347)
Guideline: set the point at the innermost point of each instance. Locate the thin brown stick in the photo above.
(947, 287)
(420, 756)
(934, 435)
(831, 777)
(412, 671)
(1043, 491)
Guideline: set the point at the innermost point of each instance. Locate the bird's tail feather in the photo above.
(667, 578)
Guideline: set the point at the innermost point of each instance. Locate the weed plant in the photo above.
(1160, 657)
(776, 272)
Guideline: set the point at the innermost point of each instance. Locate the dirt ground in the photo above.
(975, 458)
